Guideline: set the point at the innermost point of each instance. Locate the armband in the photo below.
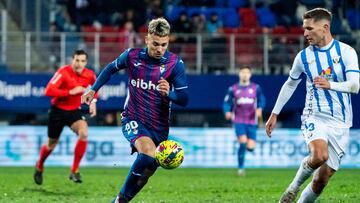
(94, 101)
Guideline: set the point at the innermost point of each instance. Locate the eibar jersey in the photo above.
(332, 62)
(144, 102)
(243, 102)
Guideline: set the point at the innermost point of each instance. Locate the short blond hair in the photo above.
(159, 27)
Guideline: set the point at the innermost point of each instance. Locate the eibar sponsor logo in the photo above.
(145, 85)
(245, 100)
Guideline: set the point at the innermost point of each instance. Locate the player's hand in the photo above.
(164, 87)
(92, 109)
(77, 90)
(228, 116)
(321, 82)
(258, 113)
(270, 124)
(87, 97)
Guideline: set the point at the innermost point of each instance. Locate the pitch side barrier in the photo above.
(204, 147)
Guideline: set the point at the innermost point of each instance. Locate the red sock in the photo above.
(44, 153)
(80, 149)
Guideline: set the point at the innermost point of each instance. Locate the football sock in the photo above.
(79, 152)
(303, 173)
(140, 184)
(44, 153)
(241, 155)
(130, 187)
(308, 195)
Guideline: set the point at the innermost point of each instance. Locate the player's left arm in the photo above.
(179, 95)
(261, 101)
(351, 84)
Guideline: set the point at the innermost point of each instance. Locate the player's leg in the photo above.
(80, 127)
(242, 140)
(55, 127)
(337, 142)
(316, 138)
(251, 135)
(314, 188)
(139, 172)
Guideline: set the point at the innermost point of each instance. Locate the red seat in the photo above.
(248, 17)
(279, 30)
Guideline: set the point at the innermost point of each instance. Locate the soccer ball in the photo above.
(169, 154)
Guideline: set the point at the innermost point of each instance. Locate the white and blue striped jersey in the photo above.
(334, 62)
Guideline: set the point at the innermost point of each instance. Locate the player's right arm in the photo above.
(105, 75)
(287, 90)
(228, 104)
(53, 87)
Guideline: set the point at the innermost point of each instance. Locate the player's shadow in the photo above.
(47, 192)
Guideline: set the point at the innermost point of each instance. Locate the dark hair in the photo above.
(318, 14)
(80, 52)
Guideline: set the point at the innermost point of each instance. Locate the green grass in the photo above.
(167, 186)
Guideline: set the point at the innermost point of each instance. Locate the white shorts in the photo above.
(336, 138)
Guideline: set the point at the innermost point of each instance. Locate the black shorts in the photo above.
(59, 118)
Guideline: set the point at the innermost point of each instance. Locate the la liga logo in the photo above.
(17, 146)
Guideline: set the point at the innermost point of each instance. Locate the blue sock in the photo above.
(129, 189)
(241, 155)
(152, 167)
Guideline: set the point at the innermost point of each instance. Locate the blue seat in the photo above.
(265, 17)
(354, 18)
(173, 12)
(230, 18)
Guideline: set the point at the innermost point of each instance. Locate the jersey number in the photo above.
(309, 126)
(131, 127)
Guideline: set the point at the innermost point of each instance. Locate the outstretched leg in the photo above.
(144, 166)
(80, 127)
(45, 151)
(320, 180)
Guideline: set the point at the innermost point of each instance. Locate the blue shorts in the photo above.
(246, 129)
(133, 129)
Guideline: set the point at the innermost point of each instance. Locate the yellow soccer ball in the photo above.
(169, 154)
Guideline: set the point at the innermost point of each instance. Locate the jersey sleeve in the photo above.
(53, 87)
(228, 101)
(261, 101)
(110, 69)
(180, 93)
(297, 69)
(351, 84)
(350, 60)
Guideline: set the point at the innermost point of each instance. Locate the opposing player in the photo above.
(66, 87)
(156, 77)
(243, 105)
(332, 73)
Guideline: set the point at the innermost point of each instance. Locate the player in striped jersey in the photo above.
(243, 105)
(156, 77)
(331, 71)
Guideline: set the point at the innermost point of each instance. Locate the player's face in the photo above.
(156, 45)
(245, 75)
(314, 32)
(78, 63)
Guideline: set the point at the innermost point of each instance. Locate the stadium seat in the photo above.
(230, 18)
(279, 30)
(173, 12)
(266, 17)
(353, 18)
(248, 17)
(296, 30)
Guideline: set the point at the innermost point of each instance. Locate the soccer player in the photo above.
(243, 105)
(66, 87)
(156, 78)
(332, 73)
